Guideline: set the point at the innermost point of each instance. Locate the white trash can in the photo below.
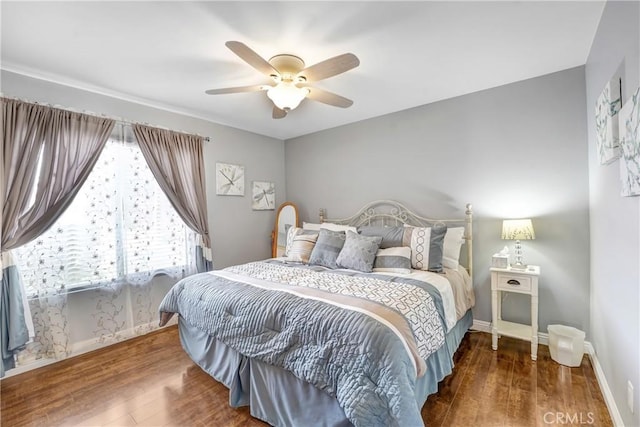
(566, 344)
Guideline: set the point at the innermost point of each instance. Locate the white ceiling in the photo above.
(166, 54)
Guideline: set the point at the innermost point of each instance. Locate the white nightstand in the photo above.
(522, 282)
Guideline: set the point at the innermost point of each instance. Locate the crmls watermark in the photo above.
(569, 418)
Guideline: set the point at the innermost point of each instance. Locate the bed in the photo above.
(356, 325)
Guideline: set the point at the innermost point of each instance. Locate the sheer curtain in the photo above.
(177, 163)
(47, 154)
(112, 255)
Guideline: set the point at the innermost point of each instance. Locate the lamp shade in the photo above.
(518, 229)
(287, 95)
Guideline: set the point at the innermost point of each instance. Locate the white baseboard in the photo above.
(481, 325)
(604, 387)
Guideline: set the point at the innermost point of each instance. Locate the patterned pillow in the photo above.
(393, 260)
(301, 247)
(359, 252)
(291, 233)
(426, 245)
(327, 248)
(391, 236)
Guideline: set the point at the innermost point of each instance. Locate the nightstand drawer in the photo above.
(514, 282)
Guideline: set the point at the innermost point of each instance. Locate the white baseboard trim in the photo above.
(604, 387)
(483, 326)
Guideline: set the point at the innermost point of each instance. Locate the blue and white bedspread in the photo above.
(361, 338)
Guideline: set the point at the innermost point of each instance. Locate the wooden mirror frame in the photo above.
(274, 232)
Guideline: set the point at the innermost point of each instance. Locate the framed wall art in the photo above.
(229, 179)
(607, 107)
(629, 126)
(264, 196)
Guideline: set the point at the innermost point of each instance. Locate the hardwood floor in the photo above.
(150, 381)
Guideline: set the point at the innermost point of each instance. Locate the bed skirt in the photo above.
(279, 398)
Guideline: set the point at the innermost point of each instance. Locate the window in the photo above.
(119, 228)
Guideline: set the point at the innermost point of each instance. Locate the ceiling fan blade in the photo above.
(328, 98)
(251, 58)
(278, 113)
(330, 67)
(253, 88)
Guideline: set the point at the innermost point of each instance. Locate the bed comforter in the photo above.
(361, 338)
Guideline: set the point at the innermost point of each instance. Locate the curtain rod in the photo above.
(118, 120)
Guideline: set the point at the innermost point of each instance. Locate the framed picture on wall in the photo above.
(608, 105)
(264, 196)
(629, 125)
(229, 179)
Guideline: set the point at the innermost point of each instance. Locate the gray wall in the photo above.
(615, 220)
(238, 233)
(514, 151)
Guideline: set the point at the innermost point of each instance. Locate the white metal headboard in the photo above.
(391, 213)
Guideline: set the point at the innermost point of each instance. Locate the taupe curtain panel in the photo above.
(47, 155)
(176, 161)
(66, 144)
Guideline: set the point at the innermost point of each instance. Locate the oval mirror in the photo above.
(287, 216)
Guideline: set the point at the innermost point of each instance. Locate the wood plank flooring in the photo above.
(150, 381)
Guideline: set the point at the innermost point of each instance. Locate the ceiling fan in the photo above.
(291, 78)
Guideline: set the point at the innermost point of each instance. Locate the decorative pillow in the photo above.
(453, 241)
(393, 260)
(391, 236)
(426, 245)
(291, 233)
(420, 246)
(301, 247)
(359, 252)
(406, 235)
(327, 248)
(436, 247)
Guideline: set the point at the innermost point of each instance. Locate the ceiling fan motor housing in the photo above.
(287, 65)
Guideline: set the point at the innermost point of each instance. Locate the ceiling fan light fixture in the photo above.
(287, 72)
(286, 95)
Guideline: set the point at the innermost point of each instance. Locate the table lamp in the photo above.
(518, 229)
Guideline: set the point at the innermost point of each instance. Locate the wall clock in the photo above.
(264, 196)
(229, 179)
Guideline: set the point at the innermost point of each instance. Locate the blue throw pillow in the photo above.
(391, 236)
(327, 248)
(359, 252)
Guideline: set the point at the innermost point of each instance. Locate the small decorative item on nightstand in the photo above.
(522, 282)
(501, 259)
